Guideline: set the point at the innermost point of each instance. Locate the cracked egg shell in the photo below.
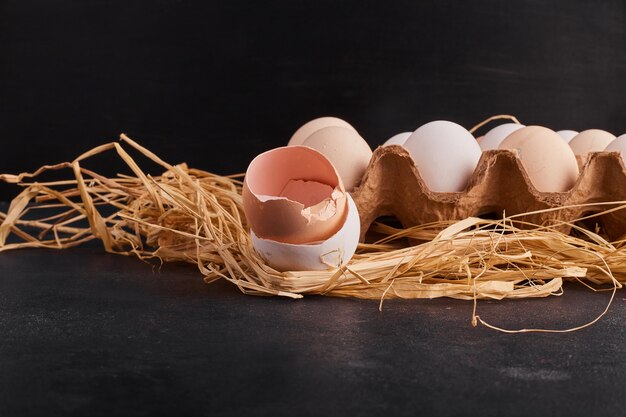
(313, 126)
(334, 252)
(293, 195)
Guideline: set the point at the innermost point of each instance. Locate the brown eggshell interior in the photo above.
(294, 195)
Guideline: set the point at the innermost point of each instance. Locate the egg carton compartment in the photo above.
(392, 186)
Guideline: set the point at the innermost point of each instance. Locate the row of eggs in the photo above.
(447, 153)
(297, 197)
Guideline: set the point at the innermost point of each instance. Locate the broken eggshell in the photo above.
(293, 195)
(333, 252)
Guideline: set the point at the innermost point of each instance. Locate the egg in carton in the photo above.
(393, 186)
(310, 202)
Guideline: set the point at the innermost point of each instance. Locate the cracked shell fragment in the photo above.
(334, 252)
(294, 195)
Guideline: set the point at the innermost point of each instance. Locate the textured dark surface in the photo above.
(87, 333)
(215, 83)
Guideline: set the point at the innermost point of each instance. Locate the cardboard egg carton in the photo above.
(392, 186)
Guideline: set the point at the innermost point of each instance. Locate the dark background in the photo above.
(215, 83)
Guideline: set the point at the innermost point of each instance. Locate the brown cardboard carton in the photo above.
(392, 186)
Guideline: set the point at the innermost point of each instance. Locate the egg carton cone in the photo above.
(392, 186)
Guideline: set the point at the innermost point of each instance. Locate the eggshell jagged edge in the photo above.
(281, 219)
(334, 252)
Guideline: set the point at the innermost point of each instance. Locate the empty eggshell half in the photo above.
(398, 139)
(309, 128)
(347, 151)
(549, 162)
(293, 194)
(592, 140)
(334, 252)
(567, 135)
(495, 136)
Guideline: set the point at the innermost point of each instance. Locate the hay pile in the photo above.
(194, 216)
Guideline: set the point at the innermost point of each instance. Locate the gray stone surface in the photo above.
(88, 333)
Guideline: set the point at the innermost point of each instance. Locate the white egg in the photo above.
(618, 145)
(398, 139)
(445, 153)
(567, 135)
(333, 252)
(495, 136)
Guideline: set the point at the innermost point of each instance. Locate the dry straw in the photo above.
(194, 216)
